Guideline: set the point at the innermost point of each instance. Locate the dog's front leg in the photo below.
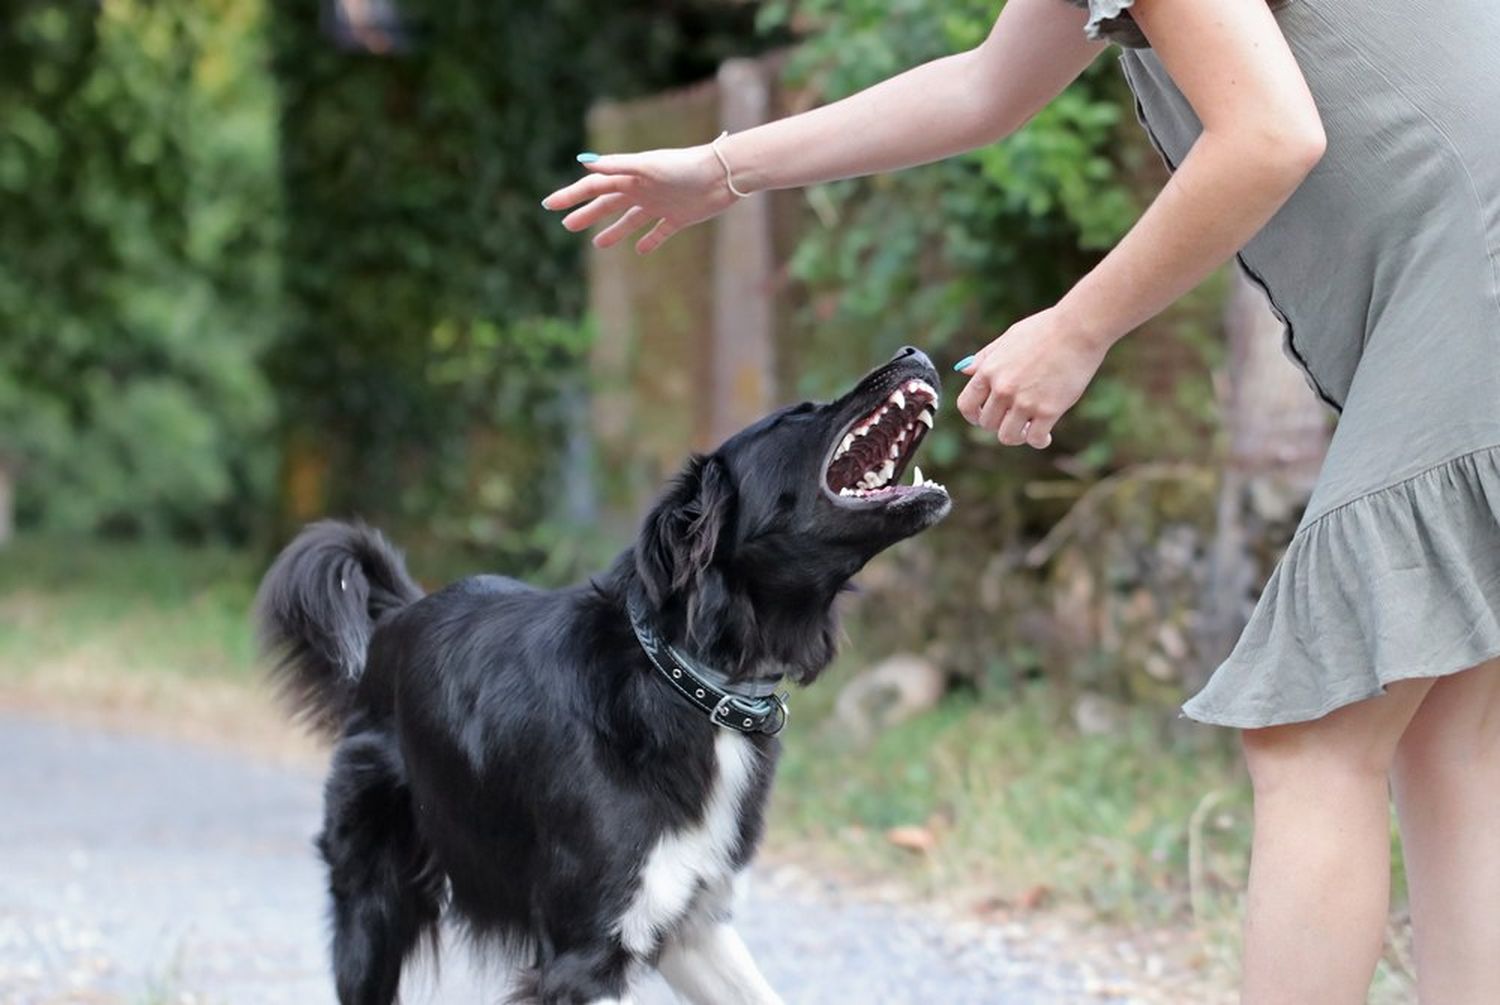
(710, 965)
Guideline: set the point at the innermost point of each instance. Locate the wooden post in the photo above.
(651, 367)
(744, 329)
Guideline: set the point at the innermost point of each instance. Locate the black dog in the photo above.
(581, 774)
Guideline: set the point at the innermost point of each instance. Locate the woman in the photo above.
(1349, 150)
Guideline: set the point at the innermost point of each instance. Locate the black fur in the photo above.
(510, 753)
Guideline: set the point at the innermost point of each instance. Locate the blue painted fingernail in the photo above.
(587, 158)
(961, 364)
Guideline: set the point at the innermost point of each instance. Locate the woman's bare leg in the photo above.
(1320, 859)
(1447, 782)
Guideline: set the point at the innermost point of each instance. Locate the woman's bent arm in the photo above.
(1261, 136)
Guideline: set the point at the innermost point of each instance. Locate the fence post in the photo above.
(744, 317)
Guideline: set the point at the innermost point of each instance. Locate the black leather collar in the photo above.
(752, 708)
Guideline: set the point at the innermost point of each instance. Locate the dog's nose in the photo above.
(909, 351)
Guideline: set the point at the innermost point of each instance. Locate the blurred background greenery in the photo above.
(264, 262)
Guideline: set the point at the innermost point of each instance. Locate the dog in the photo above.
(579, 776)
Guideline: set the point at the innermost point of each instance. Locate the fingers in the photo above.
(634, 219)
(614, 164)
(656, 237)
(599, 209)
(590, 187)
(1011, 430)
(1017, 428)
(985, 402)
(992, 415)
(1039, 433)
(971, 400)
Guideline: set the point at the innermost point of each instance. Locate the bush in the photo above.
(431, 363)
(139, 222)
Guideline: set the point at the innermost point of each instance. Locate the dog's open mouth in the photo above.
(872, 454)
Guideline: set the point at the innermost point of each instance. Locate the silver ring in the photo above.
(722, 708)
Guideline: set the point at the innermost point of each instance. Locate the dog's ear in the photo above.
(684, 531)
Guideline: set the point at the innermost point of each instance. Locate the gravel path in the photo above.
(148, 872)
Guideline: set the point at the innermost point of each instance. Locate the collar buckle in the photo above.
(752, 715)
(744, 713)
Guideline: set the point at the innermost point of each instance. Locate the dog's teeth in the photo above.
(848, 442)
(898, 399)
(895, 450)
(886, 470)
(916, 474)
(927, 417)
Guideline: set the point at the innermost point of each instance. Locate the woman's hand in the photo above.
(1024, 381)
(672, 189)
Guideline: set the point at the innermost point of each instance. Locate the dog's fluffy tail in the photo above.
(317, 608)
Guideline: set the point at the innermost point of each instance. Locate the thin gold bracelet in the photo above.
(728, 174)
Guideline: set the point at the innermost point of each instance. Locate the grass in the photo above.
(145, 635)
(1132, 829)
(1135, 829)
(134, 609)
(1015, 802)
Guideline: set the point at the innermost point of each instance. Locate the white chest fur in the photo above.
(699, 854)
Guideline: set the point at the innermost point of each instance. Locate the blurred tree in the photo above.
(419, 371)
(137, 278)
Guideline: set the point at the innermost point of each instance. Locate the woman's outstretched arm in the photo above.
(952, 104)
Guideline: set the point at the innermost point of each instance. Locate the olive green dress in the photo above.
(1385, 267)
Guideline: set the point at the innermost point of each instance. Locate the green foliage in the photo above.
(968, 243)
(950, 254)
(947, 257)
(138, 279)
(405, 293)
(422, 349)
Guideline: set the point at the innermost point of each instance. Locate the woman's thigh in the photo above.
(1359, 739)
(1457, 726)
